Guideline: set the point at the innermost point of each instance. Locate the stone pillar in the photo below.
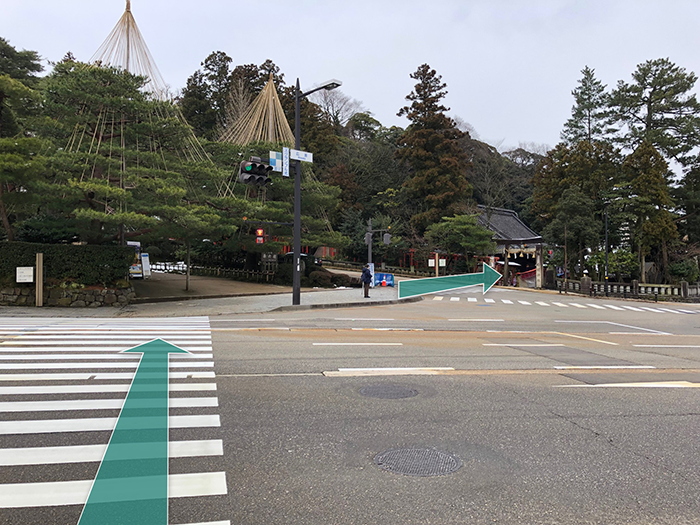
(539, 270)
(586, 285)
(635, 287)
(684, 290)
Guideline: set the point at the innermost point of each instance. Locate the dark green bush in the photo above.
(321, 278)
(340, 279)
(87, 265)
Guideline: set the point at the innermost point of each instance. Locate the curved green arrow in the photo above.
(132, 483)
(486, 278)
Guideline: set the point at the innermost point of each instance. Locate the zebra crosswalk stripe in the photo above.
(620, 308)
(39, 355)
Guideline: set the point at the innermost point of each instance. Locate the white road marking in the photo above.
(521, 344)
(356, 372)
(116, 364)
(480, 320)
(605, 367)
(100, 404)
(47, 426)
(541, 303)
(362, 319)
(596, 306)
(91, 389)
(489, 300)
(666, 346)
(633, 308)
(98, 377)
(659, 384)
(454, 298)
(471, 299)
(85, 357)
(506, 301)
(655, 310)
(578, 305)
(613, 307)
(525, 303)
(61, 493)
(653, 332)
(671, 311)
(688, 311)
(357, 344)
(560, 304)
(93, 453)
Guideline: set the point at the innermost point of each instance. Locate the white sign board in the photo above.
(285, 162)
(25, 274)
(443, 263)
(431, 263)
(303, 156)
(276, 160)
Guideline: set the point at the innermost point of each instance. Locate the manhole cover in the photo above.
(388, 391)
(418, 462)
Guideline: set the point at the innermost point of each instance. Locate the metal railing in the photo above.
(230, 273)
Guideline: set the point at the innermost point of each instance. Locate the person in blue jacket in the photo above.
(366, 279)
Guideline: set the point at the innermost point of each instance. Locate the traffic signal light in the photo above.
(254, 171)
(259, 236)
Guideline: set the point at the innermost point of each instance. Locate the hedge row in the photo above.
(88, 265)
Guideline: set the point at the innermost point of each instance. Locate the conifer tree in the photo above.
(437, 185)
(589, 115)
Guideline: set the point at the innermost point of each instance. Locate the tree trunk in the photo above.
(642, 273)
(664, 254)
(5, 219)
(187, 278)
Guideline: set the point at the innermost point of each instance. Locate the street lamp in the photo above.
(298, 95)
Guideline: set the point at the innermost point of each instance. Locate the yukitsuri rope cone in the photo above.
(264, 121)
(126, 49)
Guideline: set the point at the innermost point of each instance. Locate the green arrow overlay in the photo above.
(132, 482)
(414, 287)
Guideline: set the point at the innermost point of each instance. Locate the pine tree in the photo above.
(437, 185)
(589, 115)
(658, 107)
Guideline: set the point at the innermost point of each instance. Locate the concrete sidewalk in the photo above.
(164, 295)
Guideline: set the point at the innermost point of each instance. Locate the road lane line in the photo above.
(655, 310)
(605, 367)
(489, 300)
(357, 372)
(479, 320)
(60, 493)
(12, 457)
(560, 304)
(633, 308)
(666, 346)
(363, 319)
(522, 344)
(577, 305)
(438, 298)
(596, 306)
(471, 299)
(454, 298)
(525, 303)
(506, 301)
(357, 344)
(541, 303)
(653, 332)
(659, 384)
(671, 311)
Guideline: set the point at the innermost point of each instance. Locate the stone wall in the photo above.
(86, 297)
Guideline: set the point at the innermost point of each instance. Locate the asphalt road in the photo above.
(529, 408)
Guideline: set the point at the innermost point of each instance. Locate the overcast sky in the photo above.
(509, 65)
